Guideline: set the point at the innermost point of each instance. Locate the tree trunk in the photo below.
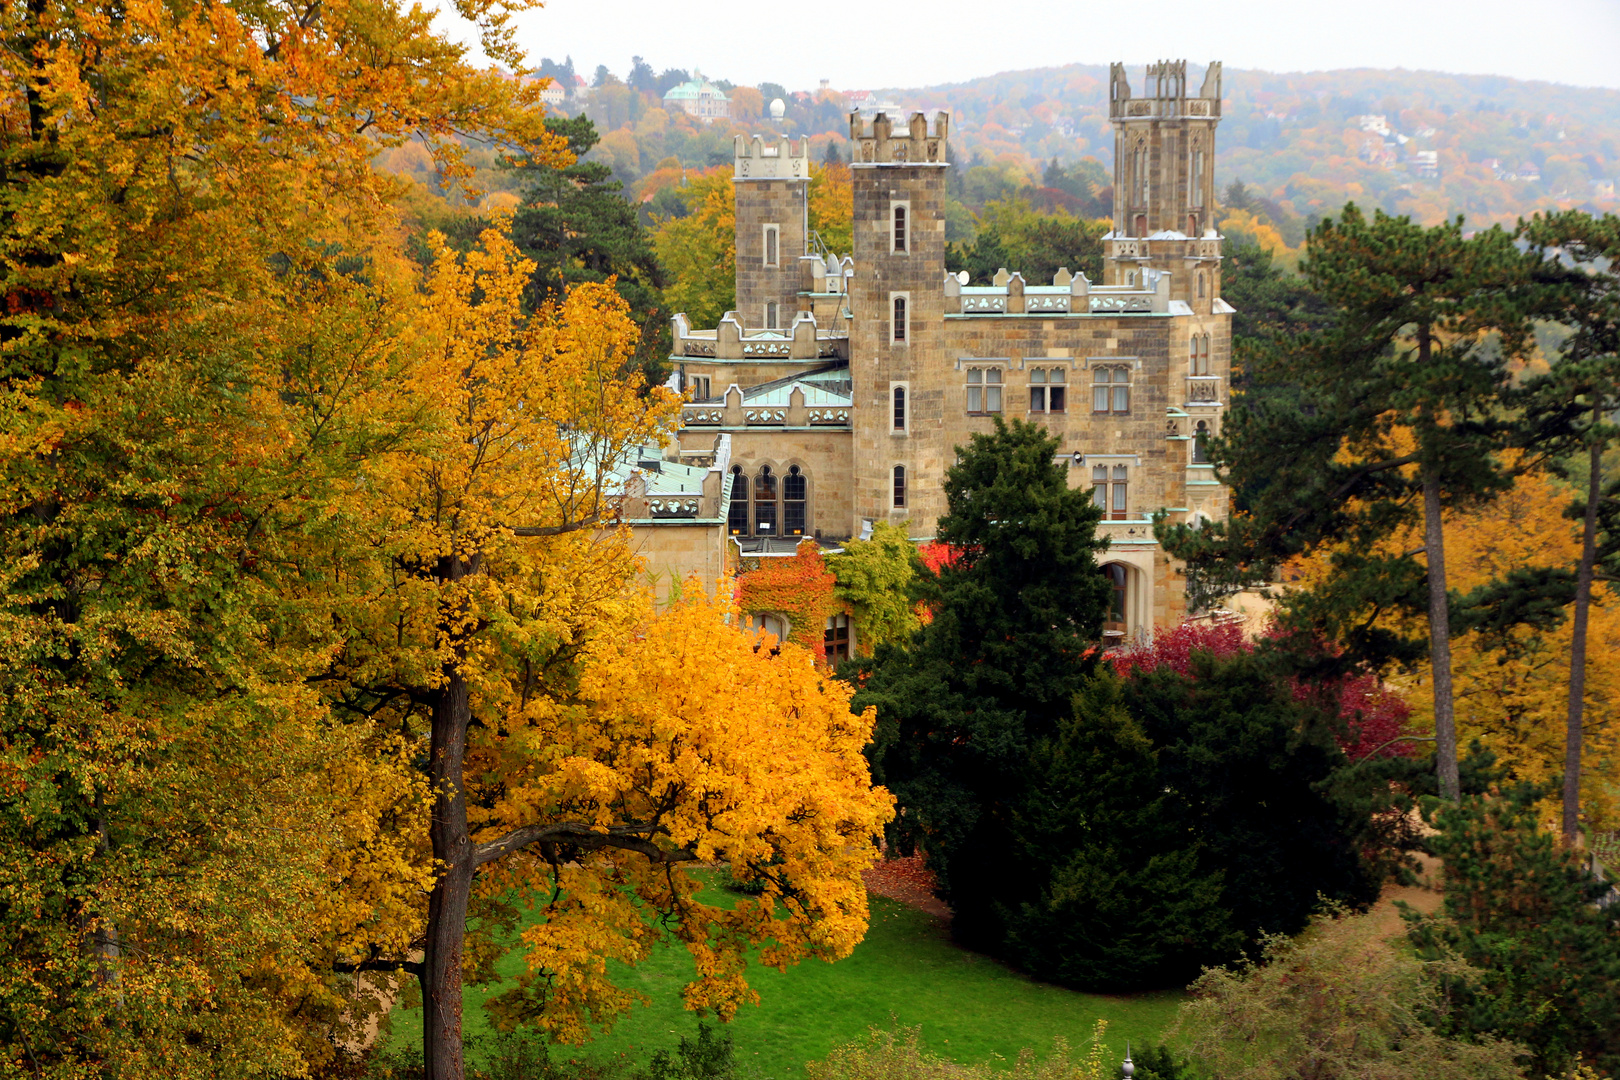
(1445, 722)
(452, 893)
(1577, 646)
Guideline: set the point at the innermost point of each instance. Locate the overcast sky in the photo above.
(909, 43)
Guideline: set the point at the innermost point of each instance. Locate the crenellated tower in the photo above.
(1164, 181)
(897, 336)
(772, 183)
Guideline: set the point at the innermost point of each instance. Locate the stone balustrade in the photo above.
(1069, 294)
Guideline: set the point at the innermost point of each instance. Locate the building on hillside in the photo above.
(700, 98)
(846, 381)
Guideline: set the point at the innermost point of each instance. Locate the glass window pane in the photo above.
(992, 375)
(1037, 399)
(992, 399)
(1099, 399)
(1037, 375)
(1099, 496)
(1119, 498)
(1122, 399)
(1119, 472)
(975, 401)
(975, 375)
(1099, 375)
(1099, 473)
(1056, 395)
(1056, 376)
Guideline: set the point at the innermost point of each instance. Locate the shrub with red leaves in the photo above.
(1372, 714)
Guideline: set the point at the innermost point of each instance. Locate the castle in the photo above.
(835, 394)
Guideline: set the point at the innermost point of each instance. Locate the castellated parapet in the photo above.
(1164, 93)
(780, 159)
(882, 143)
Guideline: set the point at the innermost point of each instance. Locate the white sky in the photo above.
(909, 43)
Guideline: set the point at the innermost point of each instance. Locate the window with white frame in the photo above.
(900, 228)
(899, 307)
(1111, 389)
(773, 235)
(699, 386)
(1198, 354)
(1048, 389)
(835, 638)
(1108, 490)
(765, 622)
(897, 398)
(983, 390)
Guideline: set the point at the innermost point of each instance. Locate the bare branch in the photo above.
(624, 837)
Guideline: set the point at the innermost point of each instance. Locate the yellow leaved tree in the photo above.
(199, 342)
(699, 249)
(578, 750)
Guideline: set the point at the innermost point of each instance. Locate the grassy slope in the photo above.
(969, 1007)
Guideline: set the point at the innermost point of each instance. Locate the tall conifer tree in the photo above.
(1398, 415)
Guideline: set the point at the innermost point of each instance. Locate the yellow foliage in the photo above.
(741, 756)
(832, 206)
(1517, 705)
(700, 249)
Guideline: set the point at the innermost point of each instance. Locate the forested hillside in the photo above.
(1422, 143)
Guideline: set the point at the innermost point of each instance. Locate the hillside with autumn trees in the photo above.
(1427, 144)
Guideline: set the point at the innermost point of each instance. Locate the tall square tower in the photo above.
(896, 344)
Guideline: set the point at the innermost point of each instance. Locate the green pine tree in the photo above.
(1017, 620)
(1426, 321)
(1572, 409)
(1524, 910)
(576, 225)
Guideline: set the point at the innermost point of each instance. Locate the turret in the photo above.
(1164, 180)
(772, 182)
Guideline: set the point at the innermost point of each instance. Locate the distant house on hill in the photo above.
(700, 98)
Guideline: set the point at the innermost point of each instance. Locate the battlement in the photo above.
(1164, 93)
(776, 159)
(881, 143)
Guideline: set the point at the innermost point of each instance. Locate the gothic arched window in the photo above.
(794, 490)
(765, 502)
(1200, 449)
(737, 517)
(899, 487)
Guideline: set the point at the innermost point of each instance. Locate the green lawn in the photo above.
(969, 1007)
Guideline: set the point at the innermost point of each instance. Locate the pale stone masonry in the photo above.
(846, 383)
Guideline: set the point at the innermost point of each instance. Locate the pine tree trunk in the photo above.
(1445, 722)
(453, 848)
(1577, 647)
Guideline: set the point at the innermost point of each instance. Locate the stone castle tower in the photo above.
(1164, 181)
(772, 181)
(895, 355)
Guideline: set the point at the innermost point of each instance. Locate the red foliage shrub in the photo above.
(1372, 713)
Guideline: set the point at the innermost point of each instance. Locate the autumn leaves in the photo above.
(319, 635)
